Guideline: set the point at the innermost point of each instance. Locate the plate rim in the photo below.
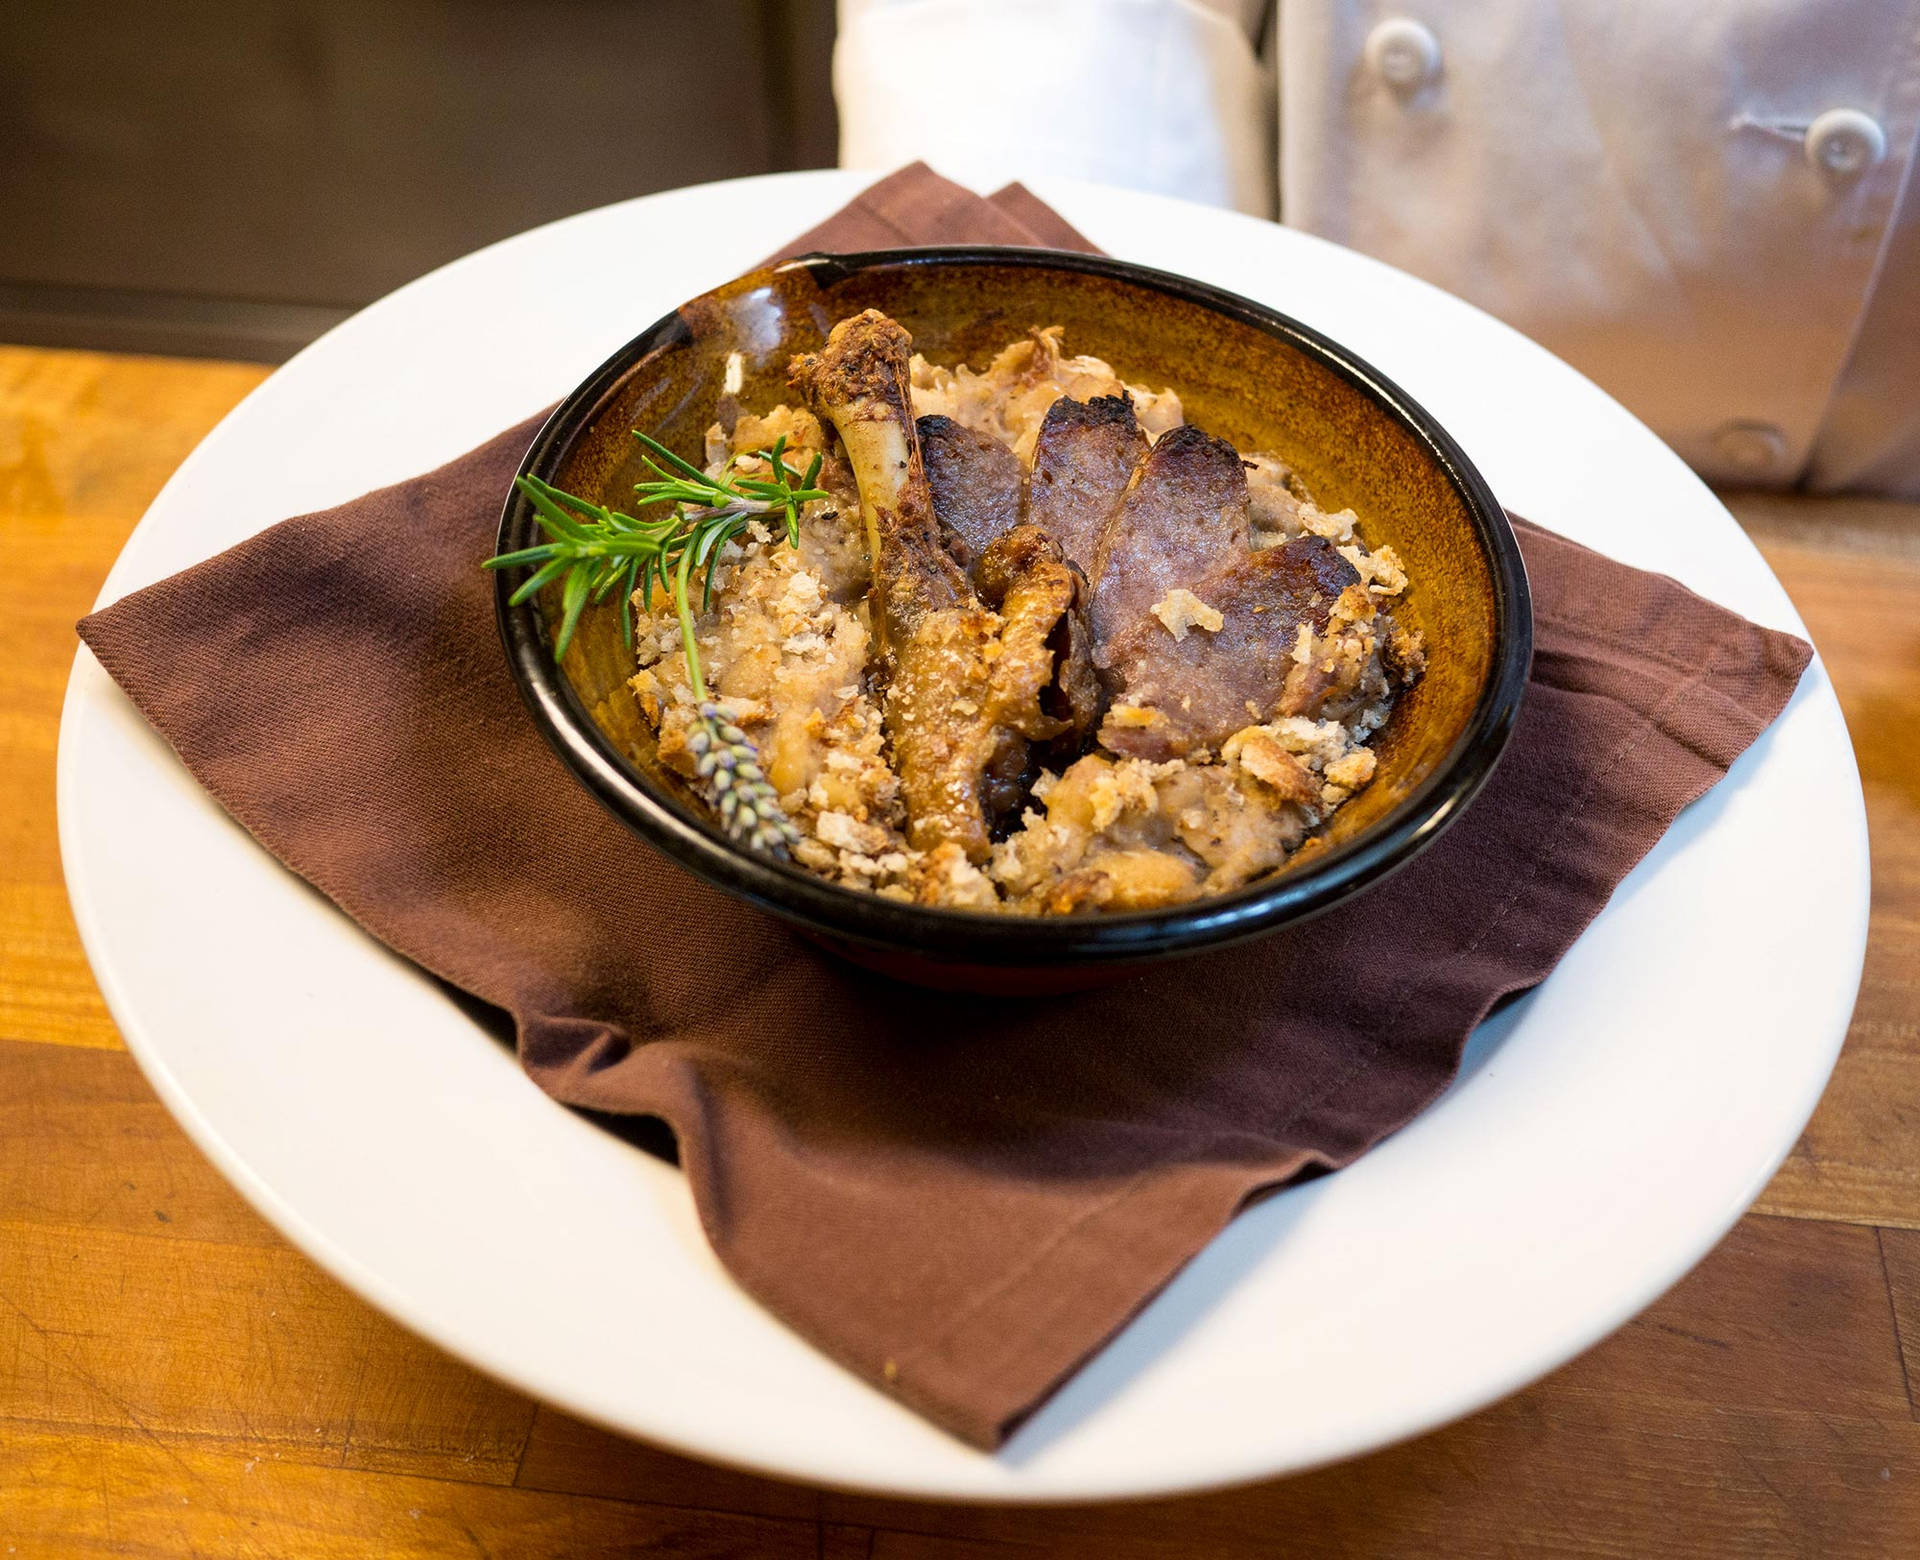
(365, 1282)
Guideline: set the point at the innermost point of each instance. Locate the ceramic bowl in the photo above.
(1243, 372)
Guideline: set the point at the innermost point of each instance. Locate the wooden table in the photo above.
(175, 1380)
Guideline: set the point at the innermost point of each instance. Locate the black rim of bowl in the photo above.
(964, 937)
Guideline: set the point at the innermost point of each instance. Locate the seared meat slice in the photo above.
(964, 683)
(1184, 518)
(979, 490)
(1085, 454)
(1197, 690)
(1044, 601)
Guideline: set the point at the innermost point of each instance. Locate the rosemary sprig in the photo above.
(594, 548)
(592, 551)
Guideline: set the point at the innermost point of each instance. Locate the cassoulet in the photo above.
(1021, 640)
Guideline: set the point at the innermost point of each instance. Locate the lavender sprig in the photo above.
(729, 764)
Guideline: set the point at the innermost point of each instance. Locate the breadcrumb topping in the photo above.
(1180, 610)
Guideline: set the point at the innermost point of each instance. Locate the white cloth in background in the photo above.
(1705, 205)
(1151, 94)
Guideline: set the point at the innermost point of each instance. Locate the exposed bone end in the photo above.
(858, 382)
(865, 359)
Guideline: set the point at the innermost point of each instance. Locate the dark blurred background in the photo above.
(231, 177)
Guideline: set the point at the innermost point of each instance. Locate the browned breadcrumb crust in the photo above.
(790, 649)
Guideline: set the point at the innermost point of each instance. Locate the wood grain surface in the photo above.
(177, 1381)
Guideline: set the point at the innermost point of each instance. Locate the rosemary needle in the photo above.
(592, 551)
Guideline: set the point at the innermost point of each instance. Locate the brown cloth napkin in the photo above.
(958, 1199)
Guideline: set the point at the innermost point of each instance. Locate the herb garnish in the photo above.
(594, 551)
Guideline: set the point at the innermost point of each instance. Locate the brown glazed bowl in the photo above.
(1243, 372)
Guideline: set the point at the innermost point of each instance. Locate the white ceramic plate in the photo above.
(1603, 1135)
